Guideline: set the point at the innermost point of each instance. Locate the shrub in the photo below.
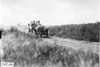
(13, 29)
(87, 32)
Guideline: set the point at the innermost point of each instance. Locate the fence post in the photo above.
(0, 34)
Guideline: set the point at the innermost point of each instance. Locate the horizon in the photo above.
(49, 12)
(47, 25)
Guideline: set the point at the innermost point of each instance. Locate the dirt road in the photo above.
(75, 44)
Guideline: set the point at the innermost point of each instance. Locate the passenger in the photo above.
(38, 24)
(33, 21)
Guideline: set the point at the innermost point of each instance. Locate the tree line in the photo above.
(87, 32)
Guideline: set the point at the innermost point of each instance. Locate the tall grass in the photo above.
(27, 51)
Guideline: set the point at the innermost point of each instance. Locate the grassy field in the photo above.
(26, 50)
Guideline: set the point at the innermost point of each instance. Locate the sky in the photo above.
(49, 12)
